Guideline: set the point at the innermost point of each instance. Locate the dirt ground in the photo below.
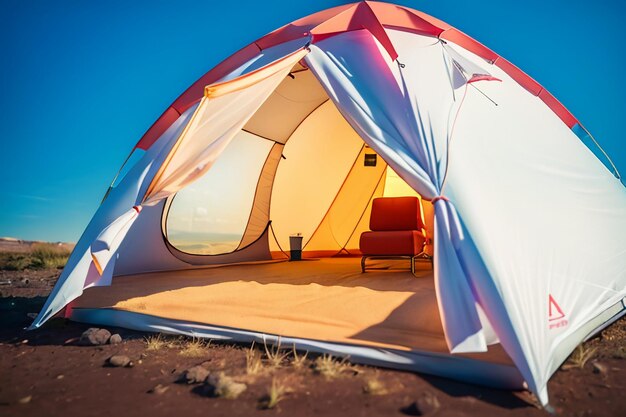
(45, 372)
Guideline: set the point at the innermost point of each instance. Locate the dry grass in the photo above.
(254, 361)
(194, 348)
(14, 261)
(274, 356)
(580, 357)
(374, 386)
(330, 367)
(40, 256)
(275, 394)
(155, 342)
(48, 255)
(298, 362)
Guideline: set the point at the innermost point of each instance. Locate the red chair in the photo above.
(397, 231)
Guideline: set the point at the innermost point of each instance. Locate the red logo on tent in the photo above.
(556, 316)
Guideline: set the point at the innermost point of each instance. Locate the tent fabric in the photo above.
(131, 192)
(343, 217)
(466, 286)
(79, 269)
(298, 33)
(552, 181)
(501, 175)
(221, 114)
(292, 101)
(260, 213)
(371, 98)
(210, 216)
(334, 302)
(319, 155)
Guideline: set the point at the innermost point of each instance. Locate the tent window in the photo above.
(209, 217)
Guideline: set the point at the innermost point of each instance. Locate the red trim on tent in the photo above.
(403, 18)
(520, 76)
(299, 28)
(66, 312)
(156, 130)
(370, 15)
(560, 110)
(194, 93)
(360, 16)
(472, 45)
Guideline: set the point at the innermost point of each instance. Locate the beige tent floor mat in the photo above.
(324, 299)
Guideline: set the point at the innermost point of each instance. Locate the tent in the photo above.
(525, 214)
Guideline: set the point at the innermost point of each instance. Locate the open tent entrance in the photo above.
(299, 166)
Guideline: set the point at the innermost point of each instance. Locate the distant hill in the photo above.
(11, 244)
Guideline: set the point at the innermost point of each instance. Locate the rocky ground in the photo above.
(56, 371)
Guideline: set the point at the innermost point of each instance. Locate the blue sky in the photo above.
(81, 81)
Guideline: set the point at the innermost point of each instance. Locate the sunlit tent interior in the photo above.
(520, 216)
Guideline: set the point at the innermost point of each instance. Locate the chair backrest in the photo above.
(396, 213)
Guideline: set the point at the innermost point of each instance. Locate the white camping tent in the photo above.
(528, 225)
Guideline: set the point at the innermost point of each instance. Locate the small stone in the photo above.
(115, 339)
(94, 337)
(61, 376)
(428, 403)
(24, 341)
(599, 368)
(158, 390)
(31, 315)
(220, 385)
(25, 400)
(195, 375)
(119, 361)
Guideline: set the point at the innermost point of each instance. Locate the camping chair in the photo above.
(397, 231)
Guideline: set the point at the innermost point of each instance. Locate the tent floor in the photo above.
(323, 299)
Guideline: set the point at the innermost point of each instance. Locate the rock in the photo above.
(220, 385)
(158, 390)
(195, 375)
(115, 339)
(599, 368)
(428, 403)
(25, 400)
(119, 361)
(94, 337)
